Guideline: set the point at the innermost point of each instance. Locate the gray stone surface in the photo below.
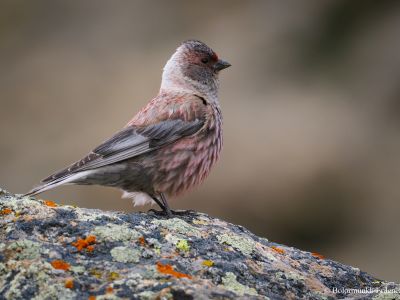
(65, 252)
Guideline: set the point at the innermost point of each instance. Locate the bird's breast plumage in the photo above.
(190, 160)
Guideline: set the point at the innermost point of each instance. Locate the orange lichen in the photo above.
(85, 243)
(69, 283)
(60, 265)
(170, 256)
(50, 203)
(279, 250)
(317, 255)
(91, 239)
(5, 211)
(142, 241)
(92, 297)
(109, 289)
(168, 269)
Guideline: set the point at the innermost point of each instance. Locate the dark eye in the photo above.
(204, 60)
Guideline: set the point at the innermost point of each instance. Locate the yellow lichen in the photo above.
(112, 276)
(183, 245)
(207, 263)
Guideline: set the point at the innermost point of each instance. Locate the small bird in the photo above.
(170, 145)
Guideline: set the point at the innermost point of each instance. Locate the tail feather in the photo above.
(44, 187)
(72, 178)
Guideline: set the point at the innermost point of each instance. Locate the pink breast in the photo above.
(187, 162)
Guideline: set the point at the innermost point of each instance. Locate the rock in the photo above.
(51, 251)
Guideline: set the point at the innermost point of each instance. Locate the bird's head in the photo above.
(194, 66)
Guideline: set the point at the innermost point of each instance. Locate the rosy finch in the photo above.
(170, 145)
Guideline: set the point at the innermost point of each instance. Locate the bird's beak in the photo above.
(221, 64)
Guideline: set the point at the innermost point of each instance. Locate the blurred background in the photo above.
(311, 110)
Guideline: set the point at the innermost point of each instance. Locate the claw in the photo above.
(162, 213)
(171, 213)
(182, 212)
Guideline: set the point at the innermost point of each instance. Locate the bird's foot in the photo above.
(182, 212)
(170, 213)
(161, 213)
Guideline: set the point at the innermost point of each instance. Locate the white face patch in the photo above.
(172, 72)
(138, 198)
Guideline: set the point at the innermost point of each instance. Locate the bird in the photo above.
(170, 145)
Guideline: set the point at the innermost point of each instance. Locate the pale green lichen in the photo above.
(178, 226)
(178, 242)
(230, 283)
(108, 297)
(56, 291)
(40, 272)
(125, 254)
(112, 233)
(150, 272)
(290, 275)
(3, 268)
(387, 296)
(25, 249)
(154, 243)
(85, 215)
(78, 269)
(243, 244)
(148, 295)
(172, 239)
(131, 280)
(16, 203)
(320, 296)
(269, 256)
(388, 291)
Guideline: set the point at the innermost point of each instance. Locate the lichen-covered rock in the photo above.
(49, 251)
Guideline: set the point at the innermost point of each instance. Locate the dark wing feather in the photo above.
(131, 142)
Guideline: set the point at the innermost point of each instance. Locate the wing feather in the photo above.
(131, 142)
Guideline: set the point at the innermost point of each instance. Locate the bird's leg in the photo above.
(163, 204)
(159, 203)
(171, 212)
(166, 206)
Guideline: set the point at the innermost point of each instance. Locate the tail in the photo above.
(46, 186)
(59, 179)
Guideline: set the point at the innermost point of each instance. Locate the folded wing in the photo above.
(131, 142)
